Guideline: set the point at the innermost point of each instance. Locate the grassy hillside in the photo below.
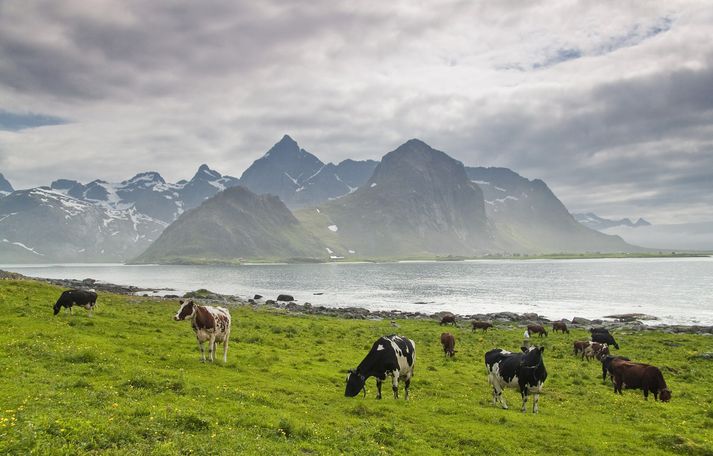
(128, 381)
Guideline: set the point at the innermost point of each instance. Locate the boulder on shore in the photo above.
(285, 297)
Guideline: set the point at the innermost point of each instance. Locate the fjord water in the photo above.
(676, 290)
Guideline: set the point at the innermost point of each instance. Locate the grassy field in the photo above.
(128, 381)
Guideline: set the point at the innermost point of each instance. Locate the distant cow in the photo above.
(448, 319)
(484, 325)
(599, 329)
(524, 371)
(210, 324)
(640, 376)
(580, 346)
(536, 329)
(69, 298)
(604, 338)
(560, 326)
(606, 365)
(389, 356)
(449, 343)
(595, 350)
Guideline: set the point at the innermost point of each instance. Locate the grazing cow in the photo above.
(484, 325)
(560, 326)
(604, 338)
(448, 319)
(640, 376)
(525, 371)
(210, 324)
(449, 343)
(69, 298)
(607, 368)
(580, 346)
(537, 329)
(595, 350)
(599, 329)
(390, 355)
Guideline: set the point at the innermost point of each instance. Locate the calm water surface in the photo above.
(677, 290)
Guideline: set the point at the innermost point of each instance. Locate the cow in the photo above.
(599, 329)
(560, 326)
(484, 325)
(449, 342)
(210, 324)
(580, 346)
(537, 329)
(606, 366)
(604, 338)
(640, 376)
(595, 350)
(525, 371)
(448, 319)
(69, 298)
(389, 356)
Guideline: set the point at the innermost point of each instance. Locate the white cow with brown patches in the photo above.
(210, 324)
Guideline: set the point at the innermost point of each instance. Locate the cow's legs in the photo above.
(200, 347)
(407, 384)
(378, 388)
(211, 348)
(225, 349)
(498, 395)
(395, 384)
(524, 401)
(535, 400)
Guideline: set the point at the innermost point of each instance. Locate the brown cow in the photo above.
(449, 342)
(580, 346)
(211, 324)
(537, 329)
(448, 319)
(484, 325)
(640, 376)
(595, 350)
(560, 326)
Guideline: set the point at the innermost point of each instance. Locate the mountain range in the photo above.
(415, 202)
(593, 221)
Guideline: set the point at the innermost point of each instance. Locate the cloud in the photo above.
(608, 102)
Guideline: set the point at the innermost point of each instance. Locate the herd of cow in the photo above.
(394, 356)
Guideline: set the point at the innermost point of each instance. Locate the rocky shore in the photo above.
(621, 322)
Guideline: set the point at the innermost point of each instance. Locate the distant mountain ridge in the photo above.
(593, 221)
(300, 179)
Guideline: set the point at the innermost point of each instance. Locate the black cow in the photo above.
(69, 298)
(604, 338)
(390, 355)
(525, 371)
(607, 367)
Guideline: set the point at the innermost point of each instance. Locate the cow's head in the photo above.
(533, 356)
(665, 395)
(185, 311)
(355, 383)
(57, 307)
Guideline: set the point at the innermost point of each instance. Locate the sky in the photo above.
(609, 102)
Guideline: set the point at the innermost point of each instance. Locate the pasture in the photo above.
(128, 381)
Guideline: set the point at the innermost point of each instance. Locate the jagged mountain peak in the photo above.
(5, 186)
(147, 178)
(205, 173)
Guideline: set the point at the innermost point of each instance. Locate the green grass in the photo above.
(128, 381)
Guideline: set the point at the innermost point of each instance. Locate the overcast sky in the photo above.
(610, 103)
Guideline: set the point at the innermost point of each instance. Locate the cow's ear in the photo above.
(542, 349)
(524, 349)
(180, 301)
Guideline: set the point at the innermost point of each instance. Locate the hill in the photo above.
(97, 388)
(234, 224)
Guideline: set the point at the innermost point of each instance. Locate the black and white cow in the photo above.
(524, 371)
(210, 324)
(69, 298)
(390, 355)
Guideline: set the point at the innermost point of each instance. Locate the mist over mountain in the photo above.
(234, 224)
(593, 221)
(528, 217)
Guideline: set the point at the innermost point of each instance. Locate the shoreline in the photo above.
(623, 322)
